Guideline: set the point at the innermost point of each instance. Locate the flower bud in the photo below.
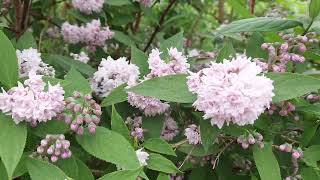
(302, 48)
(44, 142)
(92, 128)
(80, 130)
(88, 97)
(64, 155)
(79, 119)
(77, 108)
(265, 46)
(40, 150)
(251, 139)
(61, 137)
(283, 112)
(58, 145)
(282, 147)
(296, 154)
(258, 136)
(67, 119)
(245, 145)
(57, 152)
(74, 126)
(66, 144)
(54, 158)
(76, 94)
(50, 150)
(284, 47)
(288, 148)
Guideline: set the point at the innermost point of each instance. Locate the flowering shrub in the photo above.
(159, 90)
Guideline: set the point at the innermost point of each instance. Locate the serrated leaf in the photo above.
(226, 52)
(259, 24)
(8, 62)
(140, 59)
(118, 125)
(266, 162)
(117, 95)
(26, 41)
(291, 85)
(175, 90)
(84, 173)
(77, 83)
(159, 163)
(12, 142)
(109, 146)
(314, 8)
(159, 145)
(123, 175)
(39, 169)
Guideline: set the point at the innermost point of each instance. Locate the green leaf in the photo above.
(123, 175)
(159, 163)
(152, 126)
(311, 155)
(123, 38)
(314, 8)
(266, 163)
(259, 24)
(225, 52)
(290, 85)
(26, 41)
(109, 146)
(3, 172)
(198, 150)
(310, 130)
(84, 171)
(309, 173)
(68, 166)
(22, 166)
(118, 125)
(77, 83)
(175, 90)
(39, 169)
(238, 7)
(253, 49)
(208, 133)
(65, 63)
(117, 2)
(117, 95)
(50, 127)
(12, 142)
(175, 41)
(163, 176)
(8, 62)
(159, 145)
(140, 59)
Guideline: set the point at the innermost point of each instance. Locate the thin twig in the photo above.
(161, 21)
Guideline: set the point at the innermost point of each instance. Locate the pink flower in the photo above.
(82, 57)
(88, 6)
(192, 134)
(170, 128)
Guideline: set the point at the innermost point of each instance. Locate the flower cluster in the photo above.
(135, 125)
(54, 146)
(92, 34)
(285, 107)
(255, 138)
(231, 91)
(142, 157)
(193, 135)
(88, 6)
(81, 112)
(146, 3)
(30, 60)
(170, 128)
(295, 153)
(280, 54)
(313, 97)
(31, 103)
(113, 73)
(82, 57)
(177, 64)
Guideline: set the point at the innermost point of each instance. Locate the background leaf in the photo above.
(208, 133)
(140, 59)
(159, 145)
(117, 95)
(314, 8)
(226, 52)
(118, 125)
(76, 83)
(26, 41)
(159, 163)
(123, 175)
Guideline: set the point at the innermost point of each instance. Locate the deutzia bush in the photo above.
(159, 90)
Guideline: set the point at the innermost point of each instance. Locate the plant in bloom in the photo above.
(30, 101)
(88, 6)
(82, 57)
(170, 128)
(113, 73)
(231, 92)
(193, 135)
(142, 157)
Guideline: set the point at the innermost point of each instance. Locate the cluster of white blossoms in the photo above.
(30, 60)
(231, 91)
(30, 102)
(113, 73)
(88, 6)
(82, 57)
(177, 64)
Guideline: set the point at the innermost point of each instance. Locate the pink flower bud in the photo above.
(80, 130)
(50, 150)
(296, 155)
(92, 128)
(40, 150)
(265, 46)
(283, 113)
(296, 118)
(54, 158)
(288, 148)
(88, 97)
(282, 147)
(66, 144)
(245, 145)
(284, 47)
(64, 155)
(251, 139)
(76, 94)
(61, 137)
(291, 107)
(57, 152)
(260, 144)
(95, 119)
(87, 118)
(77, 108)
(70, 105)
(58, 145)
(44, 142)
(74, 126)
(258, 136)
(302, 48)
(67, 119)
(98, 112)
(79, 119)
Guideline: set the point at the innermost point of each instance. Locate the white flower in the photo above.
(142, 157)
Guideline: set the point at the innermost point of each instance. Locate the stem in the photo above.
(161, 21)
(185, 159)
(221, 11)
(251, 6)
(307, 29)
(179, 143)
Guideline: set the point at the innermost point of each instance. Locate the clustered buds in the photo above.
(135, 125)
(285, 107)
(295, 153)
(281, 53)
(246, 141)
(53, 147)
(313, 98)
(81, 112)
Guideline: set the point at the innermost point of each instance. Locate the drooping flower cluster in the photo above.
(231, 91)
(30, 60)
(280, 54)
(285, 107)
(92, 34)
(88, 6)
(113, 73)
(255, 138)
(54, 146)
(177, 64)
(135, 126)
(81, 112)
(82, 57)
(170, 128)
(31, 103)
(146, 3)
(193, 135)
(142, 157)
